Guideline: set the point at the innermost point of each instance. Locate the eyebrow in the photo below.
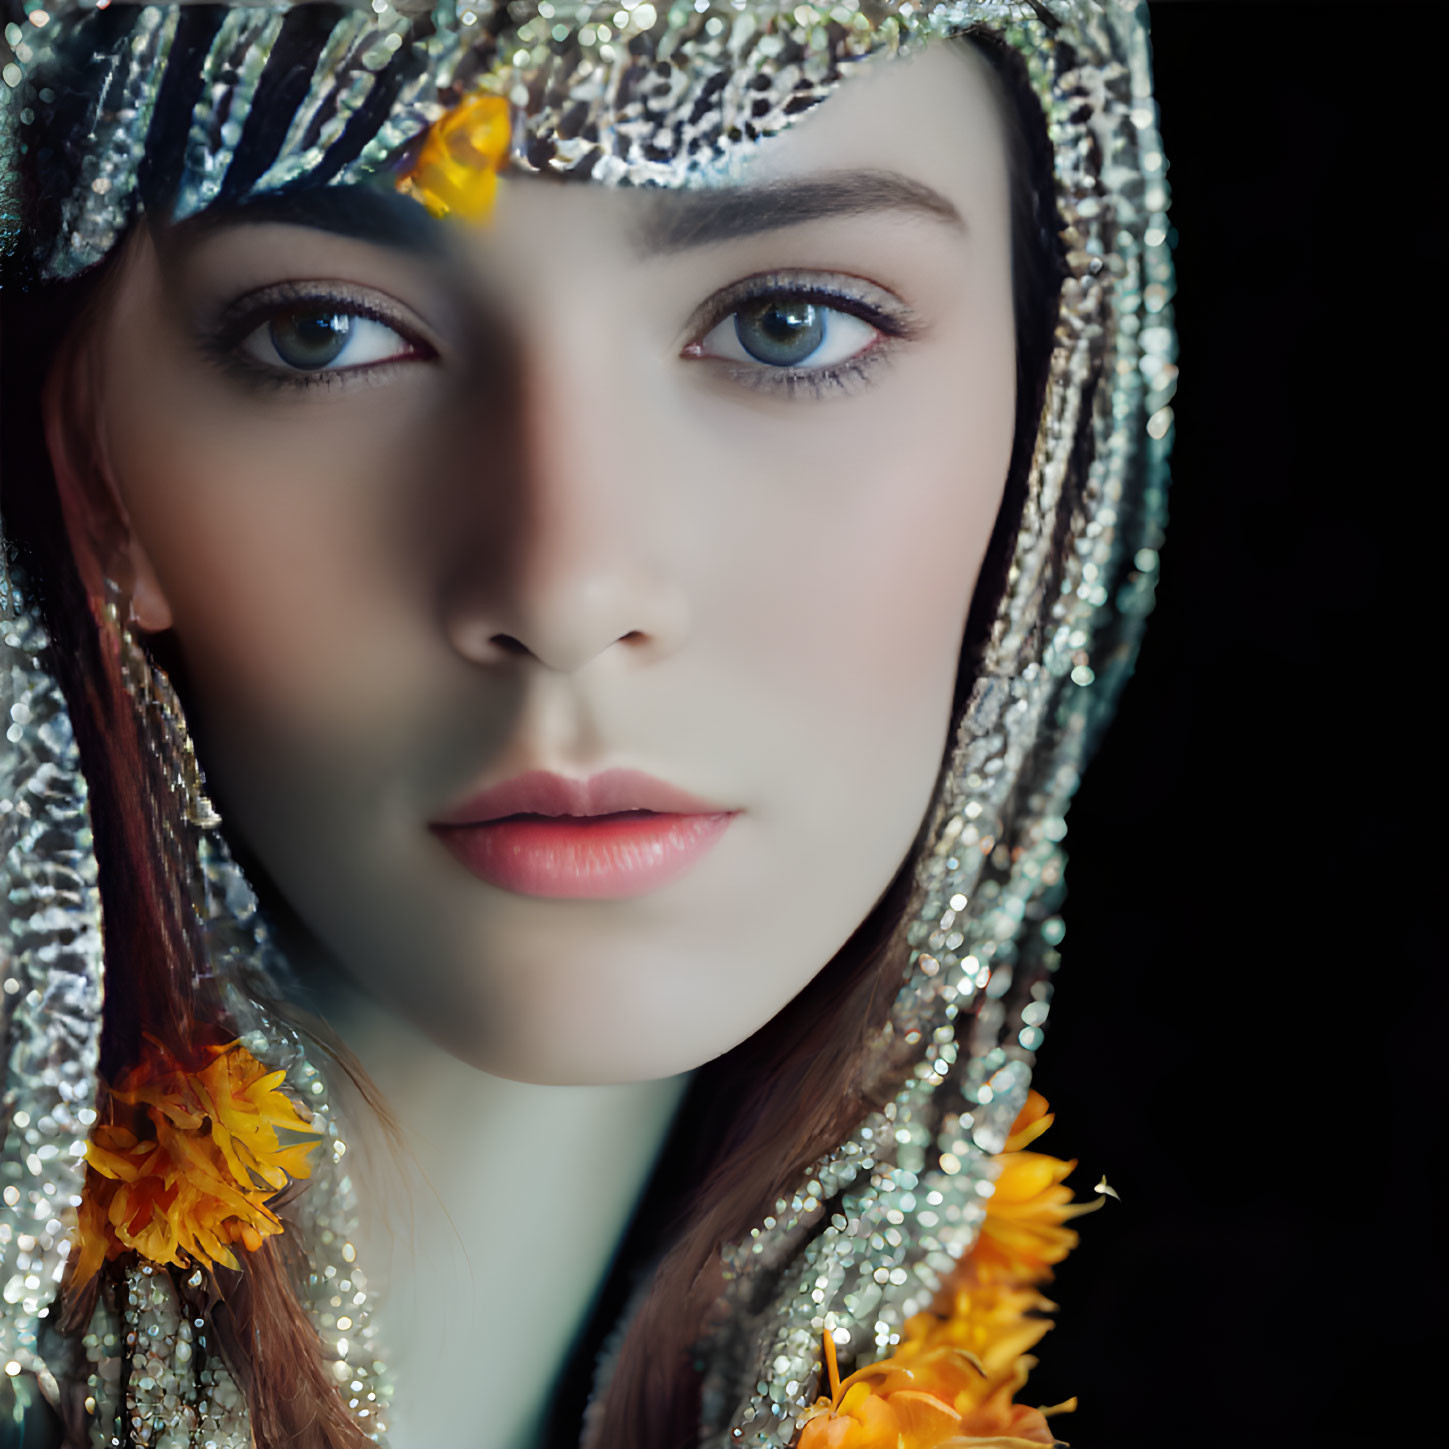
(364, 213)
(683, 220)
(678, 220)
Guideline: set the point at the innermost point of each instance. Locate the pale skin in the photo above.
(548, 515)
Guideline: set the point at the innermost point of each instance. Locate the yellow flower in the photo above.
(192, 1169)
(1024, 1235)
(456, 172)
(995, 1324)
(952, 1382)
(924, 1398)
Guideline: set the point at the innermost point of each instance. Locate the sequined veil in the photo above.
(620, 94)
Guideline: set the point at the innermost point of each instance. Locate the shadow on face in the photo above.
(571, 603)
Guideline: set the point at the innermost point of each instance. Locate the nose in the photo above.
(564, 619)
(571, 558)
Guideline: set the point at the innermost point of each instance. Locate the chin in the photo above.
(628, 1041)
(556, 1063)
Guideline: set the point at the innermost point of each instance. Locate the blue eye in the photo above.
(308, 339)
(789, 332)
(782, 333)
(312, 336)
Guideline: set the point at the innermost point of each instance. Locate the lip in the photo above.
(539, 792)
(617, 834)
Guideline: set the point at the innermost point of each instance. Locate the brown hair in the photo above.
(771, 1106)
(152, 937)
(801, 1083)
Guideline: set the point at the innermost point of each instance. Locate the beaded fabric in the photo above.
(631, 94)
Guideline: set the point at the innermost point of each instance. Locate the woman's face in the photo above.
(694, 485)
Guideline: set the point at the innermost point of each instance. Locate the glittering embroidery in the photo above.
(677, 95)
(955, 1377)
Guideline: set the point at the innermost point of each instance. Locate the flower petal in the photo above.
(922, 1419)
(200, 1180)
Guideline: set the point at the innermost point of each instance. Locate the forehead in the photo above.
(671, 95)
(910, 140)
(907, 142)
(936, 105)
(229, 102)
(177, 107)
(918, 137)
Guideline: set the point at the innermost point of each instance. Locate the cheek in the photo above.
(855, 597)
(883, 590)
(274, 533)
(271, 533)
(837, 610)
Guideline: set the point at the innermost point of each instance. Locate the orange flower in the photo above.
(192, 1170)
(1025, 1233)
(456, 173)
(925, 1399)
(952, 1382)
(996, 1325)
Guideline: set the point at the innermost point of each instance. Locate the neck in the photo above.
(489, 1230)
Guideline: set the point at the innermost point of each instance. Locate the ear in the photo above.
(96, 521)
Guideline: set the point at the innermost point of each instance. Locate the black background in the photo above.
(1247, 1018)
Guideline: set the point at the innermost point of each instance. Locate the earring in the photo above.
(163, 722)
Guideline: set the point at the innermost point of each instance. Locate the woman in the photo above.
(572, 647)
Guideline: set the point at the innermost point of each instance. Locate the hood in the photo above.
(670, 95)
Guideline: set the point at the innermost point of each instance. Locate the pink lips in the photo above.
(619, 833)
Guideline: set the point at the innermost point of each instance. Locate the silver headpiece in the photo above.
(630, 93)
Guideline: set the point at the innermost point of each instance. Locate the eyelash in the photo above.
(892, 320)
(895, 324)
(222, 341)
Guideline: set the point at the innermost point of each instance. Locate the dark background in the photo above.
(1247, 1022)
(1247, 1016)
